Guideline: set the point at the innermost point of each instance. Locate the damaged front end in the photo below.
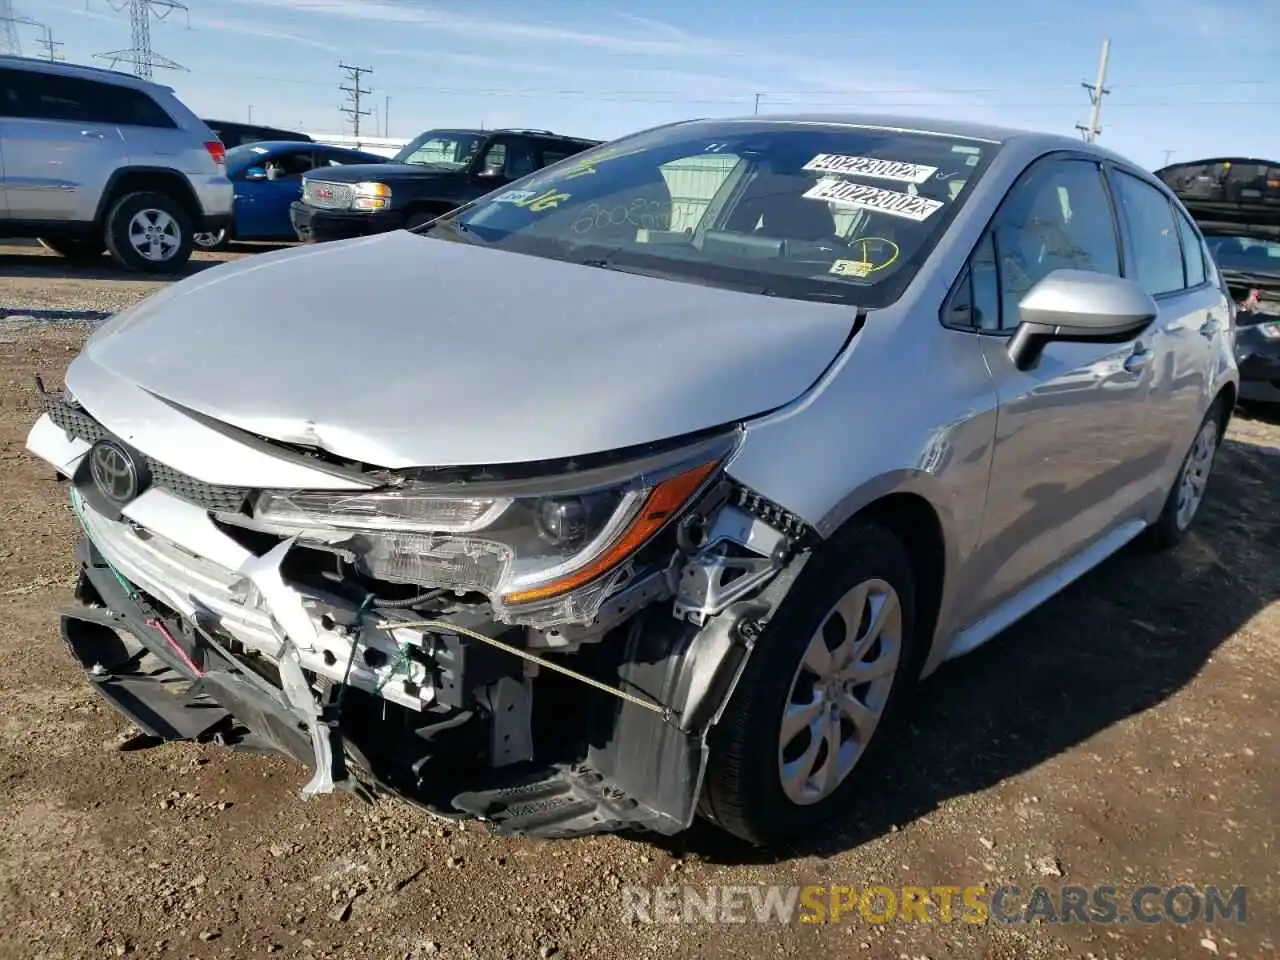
(546, 651)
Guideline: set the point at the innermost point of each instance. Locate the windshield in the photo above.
(1245, 254)
(440, 149)
(810, 211)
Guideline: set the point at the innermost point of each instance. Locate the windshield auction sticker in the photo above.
(872, 167)
(845, 193)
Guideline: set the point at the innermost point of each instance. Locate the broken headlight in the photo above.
(543, 551)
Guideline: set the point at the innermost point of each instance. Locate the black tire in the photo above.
(76, 249)
(743, 792)
(119, 222)
(1167, 531)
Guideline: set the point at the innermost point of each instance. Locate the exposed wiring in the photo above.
(443, 625)
(156, 625)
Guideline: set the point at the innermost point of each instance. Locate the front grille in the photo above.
(326, 195)
(76, 422)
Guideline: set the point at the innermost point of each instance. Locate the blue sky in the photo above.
(1195, 77)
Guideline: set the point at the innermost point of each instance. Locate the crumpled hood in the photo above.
(399, 350)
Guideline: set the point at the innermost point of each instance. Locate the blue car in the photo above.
(268, 178)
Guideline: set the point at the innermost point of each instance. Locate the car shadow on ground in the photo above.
(40, 264)
(1116, 643)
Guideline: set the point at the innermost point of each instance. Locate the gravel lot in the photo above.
(1126, 733)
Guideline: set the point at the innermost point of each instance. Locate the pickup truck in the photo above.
(431, 175)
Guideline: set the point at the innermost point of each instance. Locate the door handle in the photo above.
(96, 134)
(1137, 361)
(1209, 329)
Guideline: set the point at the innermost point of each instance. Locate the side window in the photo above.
(495, 158)
(1057, 217)
(65, 98)
(693, 183)
(975, 301)
(554, 154)
(15, 100)
(1153, 234)
(290, 166)
(1192, 252)
(135, 108)
(520, 160)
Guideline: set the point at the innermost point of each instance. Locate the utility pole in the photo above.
(140, 55)
(757, 107)
(386, 116)
(251, 113)
(1167, 155)
(1096, 92)
(354, 93)
(51, 46)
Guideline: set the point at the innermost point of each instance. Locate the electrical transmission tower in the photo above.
(140, 55)
(354, 93)
(9, 43)
(1096, 92)
(51, 46)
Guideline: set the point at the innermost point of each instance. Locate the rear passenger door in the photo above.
(1165, 255)
(61, 145)
(1075, 452)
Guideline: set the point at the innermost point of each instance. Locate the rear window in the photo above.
(819, 212)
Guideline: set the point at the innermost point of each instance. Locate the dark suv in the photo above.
(234, 134)
(432, 174)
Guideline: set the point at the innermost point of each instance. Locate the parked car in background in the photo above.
(234, 134)
(647, 487)
(267, 177)
(1236, 202)
(94, 160)
(434, 173)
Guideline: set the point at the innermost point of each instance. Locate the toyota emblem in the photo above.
(114, 471)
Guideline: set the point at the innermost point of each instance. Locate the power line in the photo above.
(140, 55)
(1097, 91)
(354, 93)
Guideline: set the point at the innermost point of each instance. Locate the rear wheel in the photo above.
(1184, 500)
(149, 232)
(74, 248)
(823, 679)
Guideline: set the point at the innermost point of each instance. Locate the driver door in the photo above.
(1076, 448)
(262, 204)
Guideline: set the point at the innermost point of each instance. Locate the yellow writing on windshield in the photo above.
(547, 200)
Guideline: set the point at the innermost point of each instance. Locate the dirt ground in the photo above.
(1127, 733)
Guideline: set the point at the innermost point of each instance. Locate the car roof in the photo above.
(272, 145)
(524, 131)
(935, 126)
(79, 70)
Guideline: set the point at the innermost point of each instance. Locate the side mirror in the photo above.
(255, 173)
(1079, 305)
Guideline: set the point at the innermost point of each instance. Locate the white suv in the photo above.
(93, 159)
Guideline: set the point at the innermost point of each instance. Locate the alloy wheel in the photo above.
(839, 692)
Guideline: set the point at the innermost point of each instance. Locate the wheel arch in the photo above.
(129, 180)
(914, 520)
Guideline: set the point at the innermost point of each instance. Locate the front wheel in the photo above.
(823, 678)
